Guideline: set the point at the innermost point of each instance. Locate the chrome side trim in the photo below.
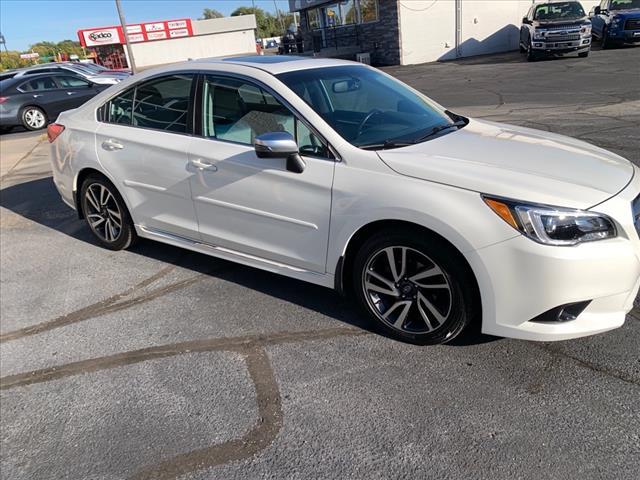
(197, 244)
(254, 211)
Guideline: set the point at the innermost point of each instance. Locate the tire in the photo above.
(429, 301)
(531, 55)
(33, 118)
(606, 41)
(583, 54)
(522, 49)
(106, 213)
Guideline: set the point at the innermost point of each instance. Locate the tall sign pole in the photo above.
(123, 23)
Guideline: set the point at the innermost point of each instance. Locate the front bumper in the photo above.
(520, 279)
(555, 48)
(625, 36)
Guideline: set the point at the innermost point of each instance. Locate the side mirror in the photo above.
(525, 20)
(597, 10)
(280, 145)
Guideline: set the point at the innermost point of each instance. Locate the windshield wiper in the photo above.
(384, 145)
(440, 128)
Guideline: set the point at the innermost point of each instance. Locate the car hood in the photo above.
(563, 21)
(633, 12)
(516, 162)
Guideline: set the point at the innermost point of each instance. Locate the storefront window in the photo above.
(332, 15)
(368, 11)
(313, 18)
(348, 12)
(344, 12)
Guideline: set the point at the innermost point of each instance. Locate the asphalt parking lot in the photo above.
(159, 363)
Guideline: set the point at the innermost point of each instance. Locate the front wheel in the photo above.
(413, 287)
(106, 213)
(531, 54)
(606, 41)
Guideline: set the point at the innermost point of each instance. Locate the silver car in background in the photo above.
(92, 74)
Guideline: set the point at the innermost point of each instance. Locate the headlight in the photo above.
(616, 21)
(586, 30)
(538, 35)
(553, 225)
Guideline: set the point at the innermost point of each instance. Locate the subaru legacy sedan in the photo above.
(335, 173)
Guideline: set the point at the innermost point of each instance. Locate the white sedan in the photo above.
(335, 173)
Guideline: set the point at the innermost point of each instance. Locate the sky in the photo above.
(24, 22)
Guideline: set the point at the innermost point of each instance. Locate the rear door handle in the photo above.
(71, 93)
(111, 145)
(36, 95)
(202, 165)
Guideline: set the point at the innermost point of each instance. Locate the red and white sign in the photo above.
(28, 56)
(140, 32)
(100, 36)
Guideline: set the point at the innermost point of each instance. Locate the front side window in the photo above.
(238, 111)
(72, 82)
(163, 103)
(365, 106)
(38, 85)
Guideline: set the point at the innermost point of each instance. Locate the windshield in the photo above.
(365, 106)
(624, 4)
(559, 11)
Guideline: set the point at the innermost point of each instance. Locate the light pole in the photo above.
(123, 23)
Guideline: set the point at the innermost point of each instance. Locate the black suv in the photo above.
(554, 29)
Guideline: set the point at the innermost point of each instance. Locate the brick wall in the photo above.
(381, 38)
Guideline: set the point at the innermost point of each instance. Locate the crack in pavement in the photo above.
(251, 347)
(108, 305)
(610, 372)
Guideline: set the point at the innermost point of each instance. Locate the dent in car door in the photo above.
(146, 152)
(254, 205)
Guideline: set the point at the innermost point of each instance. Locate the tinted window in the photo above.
(162, 104)
(118, 109)
(238, 111)
(38, 84)
(72, 82)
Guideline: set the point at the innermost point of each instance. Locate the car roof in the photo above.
(10, 82)
(274, 64)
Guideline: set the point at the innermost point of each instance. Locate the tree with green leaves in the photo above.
(267, 24)
(209, 13)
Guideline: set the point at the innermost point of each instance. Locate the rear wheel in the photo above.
(33, 118)
(413, 287)
(106, 213)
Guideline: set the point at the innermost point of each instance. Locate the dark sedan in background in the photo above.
(35, 100)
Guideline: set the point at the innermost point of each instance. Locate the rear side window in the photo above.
(119, 109)
(38, 85)
(72, 82)
(40, 70)
(163, 104)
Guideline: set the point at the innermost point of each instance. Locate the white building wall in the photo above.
(428, 27)
(212, 38)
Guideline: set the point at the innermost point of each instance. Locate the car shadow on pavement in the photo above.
(38, 201)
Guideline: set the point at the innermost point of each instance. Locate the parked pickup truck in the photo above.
(555, 28)
(616, 22)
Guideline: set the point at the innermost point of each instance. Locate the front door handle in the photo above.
(36, 95)
(71, 93)
(111, 145)
(202, 165)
